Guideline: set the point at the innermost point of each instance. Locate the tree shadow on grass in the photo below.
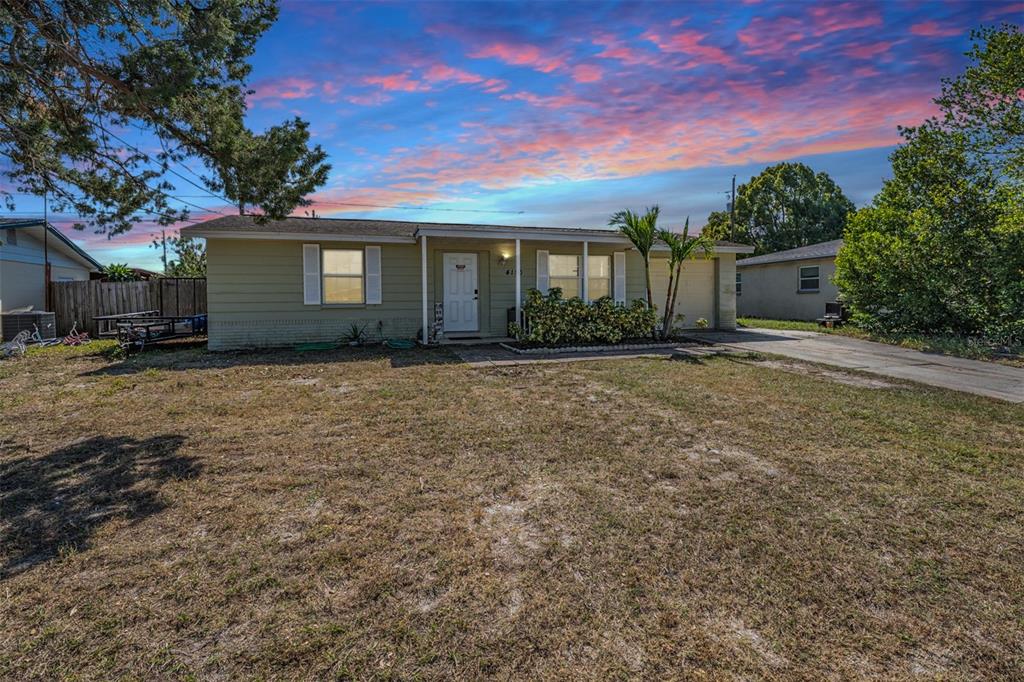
(58, 501)
(202, 359)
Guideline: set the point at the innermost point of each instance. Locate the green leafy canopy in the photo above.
(785, 206)
(75, 77)
(941, 248)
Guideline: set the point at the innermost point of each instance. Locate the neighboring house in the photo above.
(22, 282)
(310, 279)
(788, 285)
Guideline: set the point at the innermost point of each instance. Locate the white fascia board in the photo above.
(303, 236)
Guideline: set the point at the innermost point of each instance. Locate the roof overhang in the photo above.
(494, 235)
(299, 236)
(781, 261)
(71, 249)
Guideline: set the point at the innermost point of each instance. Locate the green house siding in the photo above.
(255, 294)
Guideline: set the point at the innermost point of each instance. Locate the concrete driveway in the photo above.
(971, 376)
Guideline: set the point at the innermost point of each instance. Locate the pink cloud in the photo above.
(691, 43)
(769, 37)
(610, 136)
(790, 36)
(846, 16)
(399, 82)
(492, 85)
(586, 73)
(868, 51)
(933, 29)
(562, 101)
(331, 90)
(290, 87)
(619, 50)
(443, 72)
(997, 11)
(519, 55)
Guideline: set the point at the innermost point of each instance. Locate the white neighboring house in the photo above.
(788, 285)
(22, 255)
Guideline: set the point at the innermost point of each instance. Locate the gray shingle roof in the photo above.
(821, 250)
(378, 228)
(15, 223)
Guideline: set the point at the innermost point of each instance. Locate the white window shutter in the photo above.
(311, 274)
(373, 295)
(542, 271)
(619, 271)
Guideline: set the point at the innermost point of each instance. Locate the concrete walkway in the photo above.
(493, 355)
(971, 376)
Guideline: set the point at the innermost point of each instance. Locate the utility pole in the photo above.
(46, 251)
(732, 210)
(163, 242)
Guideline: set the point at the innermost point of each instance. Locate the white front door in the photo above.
(461, 293)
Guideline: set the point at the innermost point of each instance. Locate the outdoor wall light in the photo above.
(504, 259)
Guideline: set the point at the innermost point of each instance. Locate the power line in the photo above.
(168, 169)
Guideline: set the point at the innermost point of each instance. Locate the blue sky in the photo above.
(562, 113)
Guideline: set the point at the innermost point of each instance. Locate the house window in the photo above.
(809, 279)
(739, 283)
(564, 273)
(599, 276)
(12, 237)
(343, 275)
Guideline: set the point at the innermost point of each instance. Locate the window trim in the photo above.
(801, 278)
(739, 283)
(579, 273)
(324, 275)
(610, 278)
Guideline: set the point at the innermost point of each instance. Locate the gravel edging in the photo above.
(591, 349)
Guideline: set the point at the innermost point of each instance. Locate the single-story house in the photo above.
(311, 279)
(788, 285)
(22, 254)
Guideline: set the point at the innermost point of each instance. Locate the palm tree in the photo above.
(680, 248)
(642, 230)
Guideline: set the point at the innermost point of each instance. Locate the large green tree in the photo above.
(77, 75)
(785, 206)
(274, 170)
(941, 248)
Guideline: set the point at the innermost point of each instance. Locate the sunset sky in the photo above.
(562, 113)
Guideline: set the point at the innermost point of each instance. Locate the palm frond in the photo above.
(641, 230)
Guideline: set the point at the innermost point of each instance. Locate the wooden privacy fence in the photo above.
(82, 301)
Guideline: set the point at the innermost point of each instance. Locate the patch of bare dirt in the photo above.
(830, 374)
(739, 635)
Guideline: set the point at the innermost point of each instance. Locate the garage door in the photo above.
(696, 290)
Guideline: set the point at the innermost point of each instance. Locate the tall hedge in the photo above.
(941, 248)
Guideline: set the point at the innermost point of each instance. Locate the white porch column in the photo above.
(423, 287)
(519, 283)
(586, 273)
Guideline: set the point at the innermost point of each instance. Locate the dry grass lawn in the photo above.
(354, 514)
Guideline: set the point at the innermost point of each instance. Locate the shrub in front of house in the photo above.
(552, 320)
